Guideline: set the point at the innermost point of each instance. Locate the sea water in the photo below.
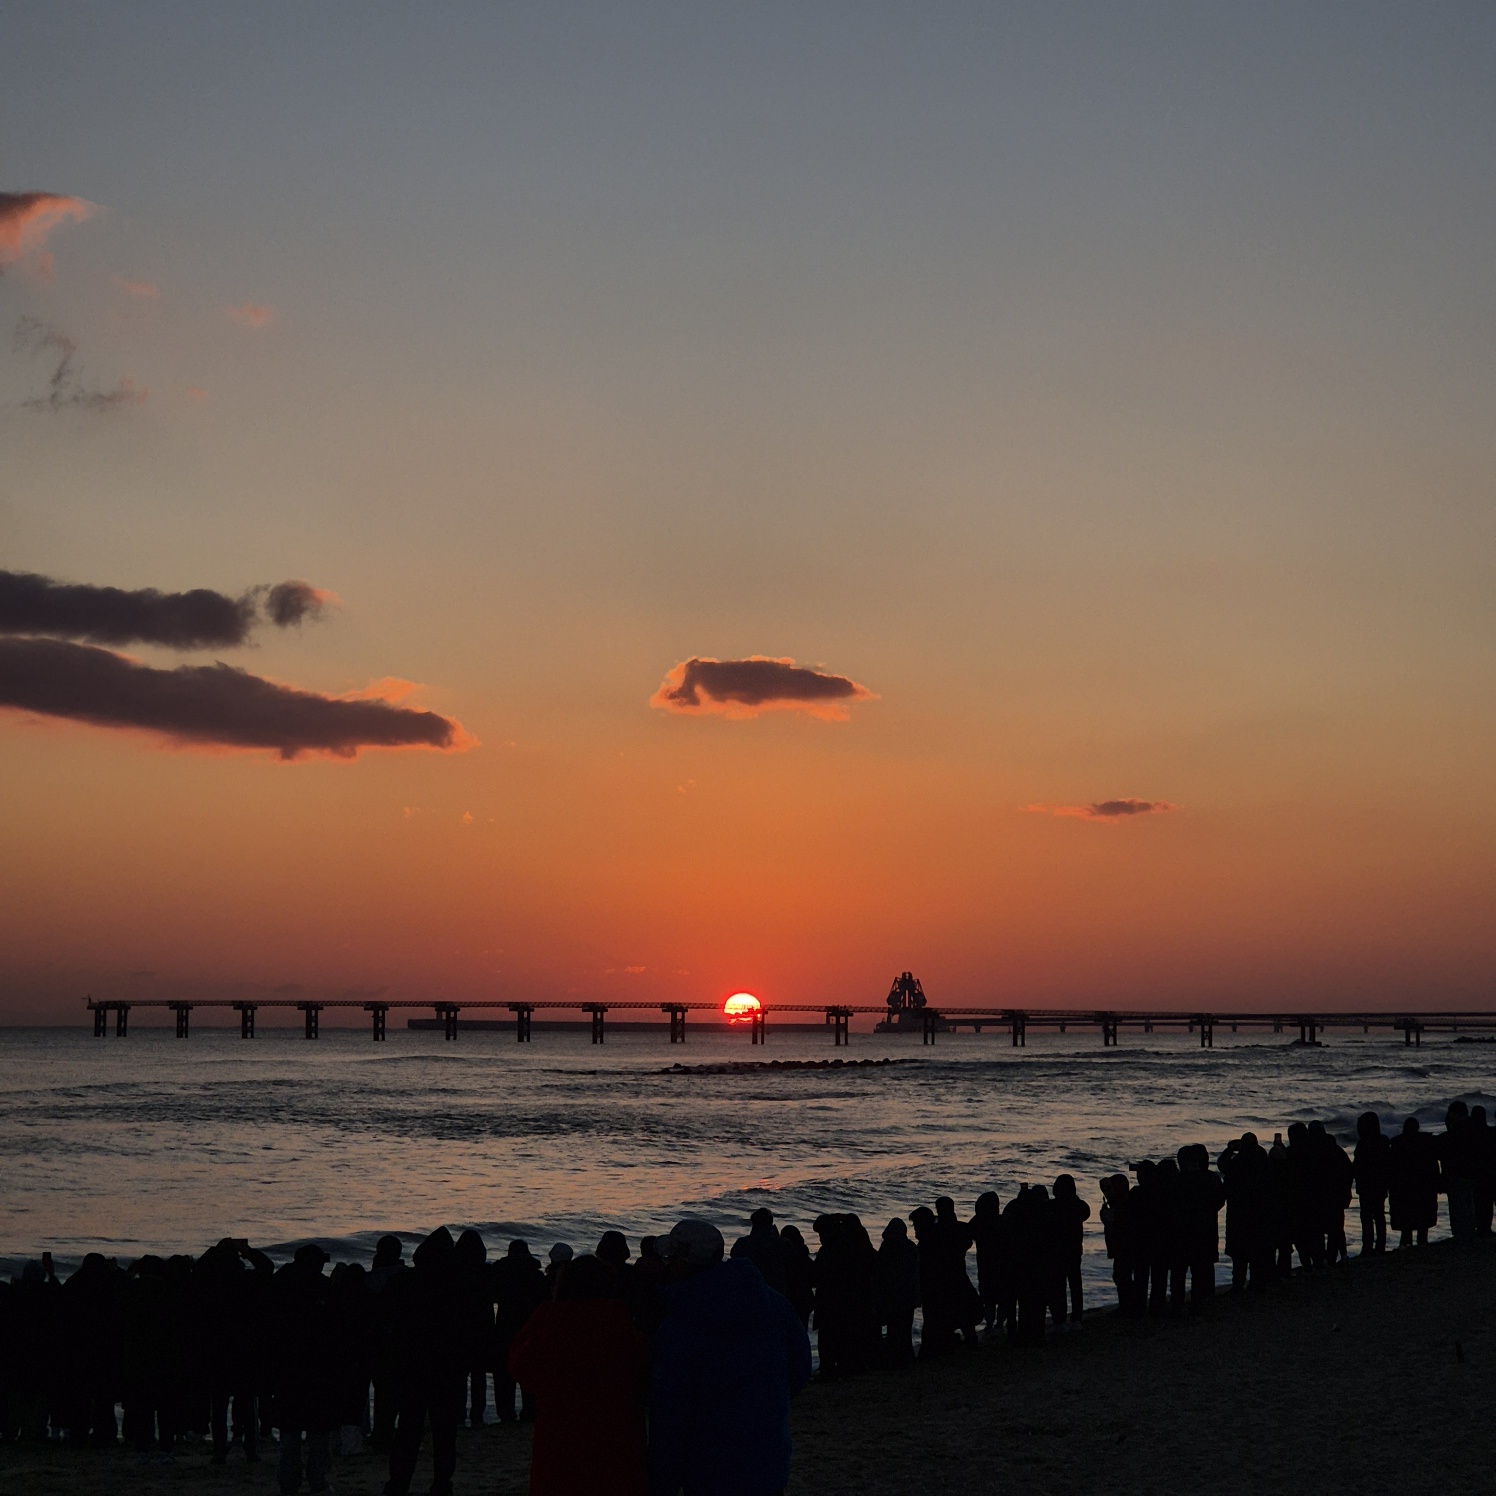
(154, 1144)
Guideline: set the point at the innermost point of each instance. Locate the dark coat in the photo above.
(585, 1365)
(1413, 1181)
(728, 1357)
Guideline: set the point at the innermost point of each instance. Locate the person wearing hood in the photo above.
(584, 1363)
(763, 1248)
(470, 1265)
(896, 1291)
(427, 1313)
(729, 1355)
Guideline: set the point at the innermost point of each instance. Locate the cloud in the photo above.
(140, 290)
(27, 218)
(295, 601)
(206, 705)
(251, 314)
(200, 619)
(1105, 810)
(744, 688)
(66, 389)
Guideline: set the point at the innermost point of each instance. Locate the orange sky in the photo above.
(1110, 403)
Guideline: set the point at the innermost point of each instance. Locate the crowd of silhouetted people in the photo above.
(672, 1370)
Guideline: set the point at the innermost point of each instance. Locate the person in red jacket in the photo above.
(584, 1364)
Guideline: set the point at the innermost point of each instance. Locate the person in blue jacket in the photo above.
(728, 1356)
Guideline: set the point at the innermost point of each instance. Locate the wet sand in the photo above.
(1375, 1376)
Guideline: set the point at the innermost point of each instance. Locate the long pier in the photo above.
(930, 1021)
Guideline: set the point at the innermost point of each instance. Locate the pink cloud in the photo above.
(27, 218)
(251, 314)
(140, 290)
(195, 392)
(744, 688)
(1105, 810)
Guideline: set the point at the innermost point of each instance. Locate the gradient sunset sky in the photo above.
(1105, 393)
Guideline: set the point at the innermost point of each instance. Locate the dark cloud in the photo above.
(1106, 810)
(206, 705)
(200, 619)
(743, 688)
(67, 388)
(294, 602)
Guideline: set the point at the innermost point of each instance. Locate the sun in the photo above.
(741, 1007)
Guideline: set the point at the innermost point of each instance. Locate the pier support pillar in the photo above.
(1018, 1022)
(1207, 1034)
(246, 1020)
(676, 1013)
(756, 1030)
(182, 1011)
(447, 1012)
(1108, 1031)
(379, 1019)
(522, 1015)
(840, 1021)
(597, 1010)
(930, 1018)
(101, 1021)
(121, 1020)
(312, 1013)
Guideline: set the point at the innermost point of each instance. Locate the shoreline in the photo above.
(1373, 1375)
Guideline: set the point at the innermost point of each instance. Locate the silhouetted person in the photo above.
(1281, 1207)
(153, 1313)
(1029, 1236)
(351, 1351)
(88, 1351)
(1070, 1214)
(585, 1365)
(1372, 1171)
(1333, 1175)
(1128, 1273)
(846, 1319)
(471, 1273)
(613, 1253)
(1413, 1183)
(763, 1249)
(896, 1292)
(646, 1284)
(430, 1351)
(951, 1304)
(987, 1237)
(1151, 1202)
(519, 1288)
(229, 1287)
(555, 1263)
(1202, 1193)
(389, 1263)
(1457, 1170)
(1483, 1146)
(799, 1285)
(728, 1356)
(302, 1368)
(1251, 1212)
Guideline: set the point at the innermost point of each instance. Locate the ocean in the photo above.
(154, 1144)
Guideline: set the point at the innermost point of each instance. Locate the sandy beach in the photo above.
(1374, 1376)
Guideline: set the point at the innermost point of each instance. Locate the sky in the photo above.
(1089, 408)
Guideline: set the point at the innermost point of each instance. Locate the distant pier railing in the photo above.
(838, 1016)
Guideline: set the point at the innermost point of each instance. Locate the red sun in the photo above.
(741, 1007)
